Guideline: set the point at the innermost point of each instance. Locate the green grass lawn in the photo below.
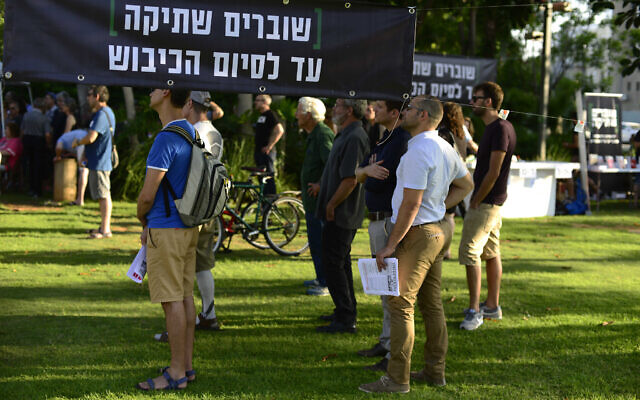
(72, 325)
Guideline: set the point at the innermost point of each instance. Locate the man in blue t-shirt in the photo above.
(171, 245)
(98, 146)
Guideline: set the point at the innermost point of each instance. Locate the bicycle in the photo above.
(277, 223)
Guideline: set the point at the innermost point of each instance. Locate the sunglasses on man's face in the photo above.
(475, 98)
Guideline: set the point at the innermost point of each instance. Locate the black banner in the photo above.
(291, 47)
(450, 78)
(604, 121)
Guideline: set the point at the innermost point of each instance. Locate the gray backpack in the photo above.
(207, 188)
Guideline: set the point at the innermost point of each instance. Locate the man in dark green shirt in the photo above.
(310, 114)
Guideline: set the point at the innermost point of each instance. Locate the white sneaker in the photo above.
(472, 320)
(495, 313)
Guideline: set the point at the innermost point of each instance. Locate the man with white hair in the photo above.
(268, 132)
(310, 116)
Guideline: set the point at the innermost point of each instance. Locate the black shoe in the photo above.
(379, 366)
(209, 324)
(376, 351)
(337, 327)
(328, 318)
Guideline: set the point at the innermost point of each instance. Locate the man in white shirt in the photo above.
(430, 178)
(195, 111)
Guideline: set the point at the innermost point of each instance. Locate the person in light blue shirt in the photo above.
(65, 144)
(171, 246)
(98, 147)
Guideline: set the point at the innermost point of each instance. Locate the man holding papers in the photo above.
(431, 177)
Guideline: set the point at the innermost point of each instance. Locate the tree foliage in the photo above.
(628, 19)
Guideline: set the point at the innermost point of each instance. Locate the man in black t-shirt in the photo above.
(481, 231)
(268, 130)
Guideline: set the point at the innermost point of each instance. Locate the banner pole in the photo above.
(582, 150)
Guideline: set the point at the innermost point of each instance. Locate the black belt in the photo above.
(428, 223)
(379, 215)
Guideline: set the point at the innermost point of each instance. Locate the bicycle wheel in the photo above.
(218, 233)
(253, 235)
(285, 227)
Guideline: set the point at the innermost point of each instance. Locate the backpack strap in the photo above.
(166, 186)
(182, 132)
(106, 114)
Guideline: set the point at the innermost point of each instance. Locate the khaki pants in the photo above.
(420, 256)
(205, 259)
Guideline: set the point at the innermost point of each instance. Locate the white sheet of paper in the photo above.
(376, 282)
(138, 268)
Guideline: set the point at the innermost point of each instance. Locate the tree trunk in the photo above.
(245, 103)
(129, 102)
(472, 31)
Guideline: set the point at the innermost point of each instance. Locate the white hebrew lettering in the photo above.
(178, 67)
(274, 35)
(414, 88)
(201, 20)
(128, 16)
(151, 66)
(234, 65)
(257, 66)
(285, 28)
(247, 20)
(313, 71)
(192, 57)
(165, 15)
(163, 56)
(150, 22)
(300, 62)
(469, 91)
(422, 88)
(245, 61)
(435, 87)
(425, 70)
(458, 73)
(134, 59)
(447, 90)
(260, 20)
(231, 24)
(276, 66)
(220, 64)
(180, 18)
(118, 58)
(439, 74)
(469, 72)
(298, 25)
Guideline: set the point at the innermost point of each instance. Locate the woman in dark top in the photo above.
(451, 129)
(68, 107)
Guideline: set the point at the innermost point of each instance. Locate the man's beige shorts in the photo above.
(480, 235)
(171, 263)
(99, 184)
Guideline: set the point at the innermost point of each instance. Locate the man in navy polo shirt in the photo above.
(171, 246)
(378, 173)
